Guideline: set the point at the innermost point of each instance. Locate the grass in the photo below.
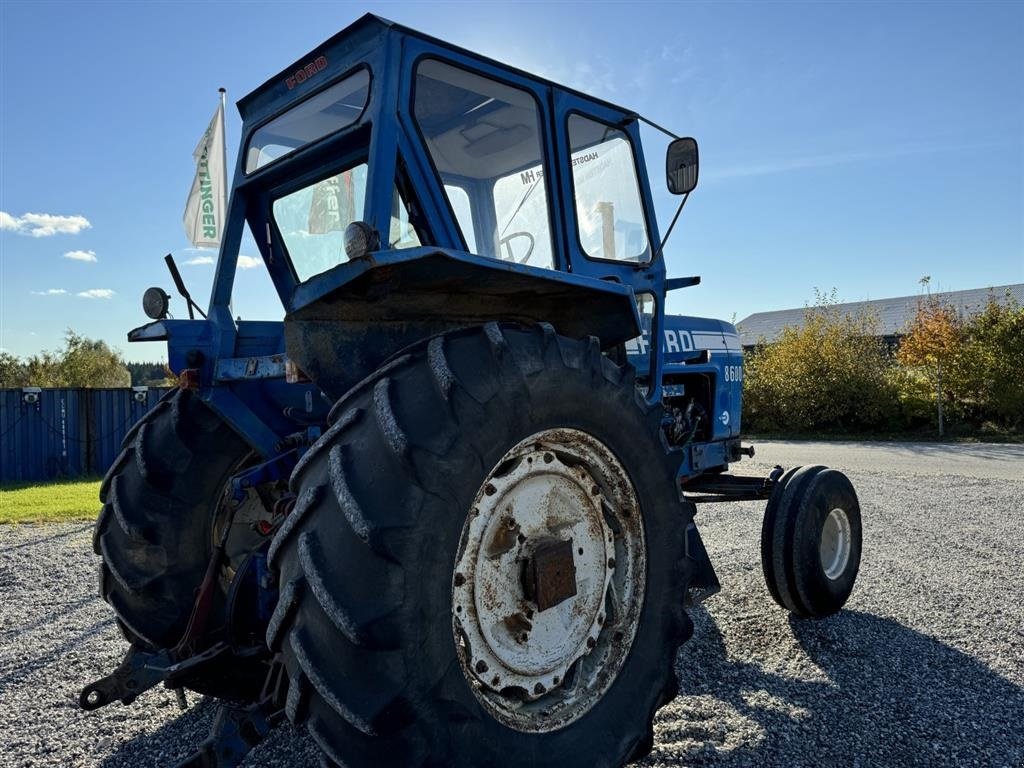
(59, 501)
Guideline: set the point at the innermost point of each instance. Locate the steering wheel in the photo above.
(506, 242)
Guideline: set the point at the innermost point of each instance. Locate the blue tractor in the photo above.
(443, 513)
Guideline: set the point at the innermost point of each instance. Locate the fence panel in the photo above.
(66, 432)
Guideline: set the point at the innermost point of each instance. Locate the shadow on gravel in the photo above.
(53, 656)
(43, 539)
(893, 697)
(169, 744)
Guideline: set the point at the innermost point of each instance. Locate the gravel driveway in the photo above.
(924, 667)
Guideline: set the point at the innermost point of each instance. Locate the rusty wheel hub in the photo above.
(549, 580)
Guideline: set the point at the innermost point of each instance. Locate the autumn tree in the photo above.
(933, 341)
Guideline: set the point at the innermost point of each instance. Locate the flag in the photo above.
(207, 201)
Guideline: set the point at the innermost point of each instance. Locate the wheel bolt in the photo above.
(481, 666)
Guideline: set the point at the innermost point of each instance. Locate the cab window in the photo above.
(609, 208)
(312, 221)
(324, 113)
(484, 139)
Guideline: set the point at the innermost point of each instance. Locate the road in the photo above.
(924, 667)
(994, 461)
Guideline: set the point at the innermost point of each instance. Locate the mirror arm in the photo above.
(642, 119)
(671, 226)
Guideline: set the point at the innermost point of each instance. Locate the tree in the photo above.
(91, 363)
(82, 362)
(988, 374)
(12, 371)
(932, 343)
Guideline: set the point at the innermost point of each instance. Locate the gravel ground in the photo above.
(924, 667)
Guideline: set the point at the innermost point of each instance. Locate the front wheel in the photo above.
(485, 565)
(811, 541)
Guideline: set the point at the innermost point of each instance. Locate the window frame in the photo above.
(629, 263)
(543, 124)
(287, 108)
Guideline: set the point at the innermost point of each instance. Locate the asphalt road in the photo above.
(994, 461)
(925, 667)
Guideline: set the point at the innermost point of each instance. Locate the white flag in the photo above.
(207, 202)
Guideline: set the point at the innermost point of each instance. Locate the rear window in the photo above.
(330, 110)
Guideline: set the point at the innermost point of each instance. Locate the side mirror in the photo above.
(681, 166)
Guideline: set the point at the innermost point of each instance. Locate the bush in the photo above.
(82, 362)
(833, 373)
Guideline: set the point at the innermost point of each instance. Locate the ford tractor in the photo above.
(443, 513)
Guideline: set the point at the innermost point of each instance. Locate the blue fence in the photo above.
(57, 433)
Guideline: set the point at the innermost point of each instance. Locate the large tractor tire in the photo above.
(155, 533)
(811, 541)
(485, 565)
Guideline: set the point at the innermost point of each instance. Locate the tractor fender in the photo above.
(344, 323)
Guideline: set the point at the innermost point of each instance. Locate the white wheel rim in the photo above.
(835, 544)
(539, 670)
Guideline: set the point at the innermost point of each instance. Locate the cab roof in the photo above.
(362, 37)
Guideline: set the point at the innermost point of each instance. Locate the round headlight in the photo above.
(154, 303)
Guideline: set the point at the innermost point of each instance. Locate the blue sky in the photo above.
(856, 146)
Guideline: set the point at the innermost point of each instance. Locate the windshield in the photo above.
(484, 138)
(330, 110)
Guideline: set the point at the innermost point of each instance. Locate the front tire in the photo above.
(371, 562)
(811, 541)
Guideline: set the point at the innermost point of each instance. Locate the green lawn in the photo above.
(50, 502)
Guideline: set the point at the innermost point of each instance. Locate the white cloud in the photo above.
(43, 224)
(201, 260)
(96, 293)
(50, 292)
(81, 256)
(248, 262)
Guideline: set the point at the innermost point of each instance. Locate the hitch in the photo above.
(141, 670)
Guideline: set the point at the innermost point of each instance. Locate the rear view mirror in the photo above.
(681, 166)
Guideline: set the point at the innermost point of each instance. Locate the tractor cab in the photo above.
(399, 186)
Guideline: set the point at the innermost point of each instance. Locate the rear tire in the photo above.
(368, 555)
(154, 531)
(811, 541)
